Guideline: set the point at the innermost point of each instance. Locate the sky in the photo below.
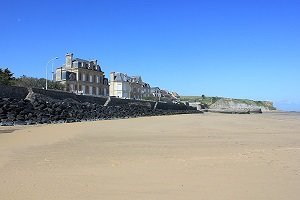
(233, 48)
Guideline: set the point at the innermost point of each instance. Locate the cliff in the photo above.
(229, 103)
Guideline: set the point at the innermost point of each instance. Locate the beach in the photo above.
(194, 156)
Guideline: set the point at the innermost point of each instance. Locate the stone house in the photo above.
(146, 90)
(82, 77)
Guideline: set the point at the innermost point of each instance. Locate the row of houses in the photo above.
(87, 78)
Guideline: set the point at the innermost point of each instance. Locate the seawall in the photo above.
(22, 106)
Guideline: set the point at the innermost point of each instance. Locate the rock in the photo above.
(31, 122)
(7, 123)
(70, 120)
(19, 122)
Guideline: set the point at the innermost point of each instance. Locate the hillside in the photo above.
(223, 103)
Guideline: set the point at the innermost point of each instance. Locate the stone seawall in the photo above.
(55, 94)
(13, 92)
(19, 107)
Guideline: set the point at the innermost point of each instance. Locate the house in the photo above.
(175, 95)
(124, 86)
(119, 85)
(82, 76)
(155, 92)
(168, 96)
(146, 90)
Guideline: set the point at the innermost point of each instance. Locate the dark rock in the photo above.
(70, 120)
(20, 122)
(7, 123)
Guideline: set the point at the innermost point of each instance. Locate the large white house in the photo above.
(124, 86)
(119, 85)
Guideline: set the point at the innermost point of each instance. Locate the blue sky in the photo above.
(234, 48)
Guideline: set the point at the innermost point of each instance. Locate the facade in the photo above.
(119, 85)
(124, 86)
(155, 92)
(146, 90)
(175, 95)
(169, 96)
(82, 77)
(136, 85)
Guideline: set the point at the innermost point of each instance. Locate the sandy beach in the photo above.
(198, 156)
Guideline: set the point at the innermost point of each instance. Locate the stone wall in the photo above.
(13, 92)
(55, 94)
(18, 106)
(118, 101)
(172, 106)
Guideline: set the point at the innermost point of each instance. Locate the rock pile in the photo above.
(41, 109)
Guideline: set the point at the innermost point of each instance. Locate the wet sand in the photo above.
(210, 156)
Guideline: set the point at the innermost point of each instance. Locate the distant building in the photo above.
(175, 95)
(155, 92)
(124, 86)
(82, 77)
(169, 96)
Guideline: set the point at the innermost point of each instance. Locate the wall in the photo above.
(172, 106)
(21, 93)
(117, 101)
(64, 95)
(13, 92)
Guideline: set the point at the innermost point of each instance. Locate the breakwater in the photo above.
(22, 106)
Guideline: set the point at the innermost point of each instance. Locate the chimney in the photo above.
(69, 59)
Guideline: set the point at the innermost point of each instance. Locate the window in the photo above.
(119, 93)
(119, 86)
(87, 78)
(87, 89)
(97, 90)
(91, 78)
(83, 77)
(97, 79)
(82, 88)
(91, 90)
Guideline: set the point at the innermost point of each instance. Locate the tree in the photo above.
(25, 81)
(6, 77)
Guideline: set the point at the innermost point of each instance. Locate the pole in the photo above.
(47, 70)
(52, 71)
(47, 76)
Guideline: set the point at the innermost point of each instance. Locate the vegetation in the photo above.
(7, 78)
(25, 81)
(202, 99)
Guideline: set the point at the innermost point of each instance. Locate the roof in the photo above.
(120, 77)
(80, 60)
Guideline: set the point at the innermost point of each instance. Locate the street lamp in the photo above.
(47, 70)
